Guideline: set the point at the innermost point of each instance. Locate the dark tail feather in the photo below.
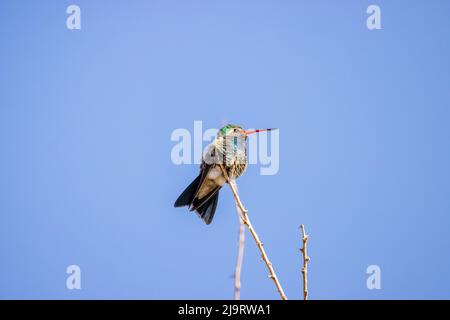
(186, 198)
(206, 211)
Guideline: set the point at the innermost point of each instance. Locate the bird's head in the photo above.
(231, 130)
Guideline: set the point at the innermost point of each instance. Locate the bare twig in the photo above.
(306, 259)
(247, 222)
(240, 256)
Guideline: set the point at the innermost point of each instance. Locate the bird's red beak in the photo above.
(258, 130)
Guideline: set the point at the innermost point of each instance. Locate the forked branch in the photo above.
(246, 220)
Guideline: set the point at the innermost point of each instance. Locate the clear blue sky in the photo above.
(86, 117)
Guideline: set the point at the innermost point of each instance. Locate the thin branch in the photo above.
(306, 259)
(247, 222)
(240, 256)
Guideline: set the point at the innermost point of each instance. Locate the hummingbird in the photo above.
(228, 150)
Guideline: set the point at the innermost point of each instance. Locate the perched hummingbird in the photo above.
(229, 150)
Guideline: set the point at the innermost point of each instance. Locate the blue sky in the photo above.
(86, 118)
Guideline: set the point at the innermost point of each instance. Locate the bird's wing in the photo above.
(206, 187)
(188, 195)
